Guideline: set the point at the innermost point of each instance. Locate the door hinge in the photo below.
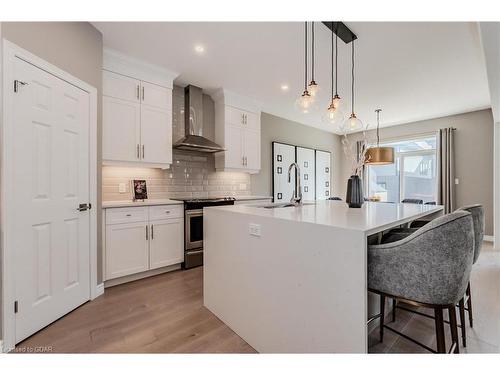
(16, 307)
(17, 83)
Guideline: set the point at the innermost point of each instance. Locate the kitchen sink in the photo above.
(284, 205)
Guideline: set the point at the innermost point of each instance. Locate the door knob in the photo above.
(84, 207)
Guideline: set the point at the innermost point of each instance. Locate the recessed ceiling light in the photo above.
(284, 87)
(199, 48)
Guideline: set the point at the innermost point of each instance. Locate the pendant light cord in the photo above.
(378, 125)
(305, 58)
(332, 66)
(352, 79)
(336, 59)
(312, 52)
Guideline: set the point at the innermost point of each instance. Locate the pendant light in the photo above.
(379, 155)
(352, 124)
(334, 114)
(304, 102)
(313, 87)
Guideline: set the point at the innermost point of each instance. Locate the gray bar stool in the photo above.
(429, 268)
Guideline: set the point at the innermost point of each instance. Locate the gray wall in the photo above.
(281, 130)
(75, 47)
(473, 155)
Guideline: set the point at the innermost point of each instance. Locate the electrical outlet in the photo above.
(254, 230)
(122, 187)
(456, 181)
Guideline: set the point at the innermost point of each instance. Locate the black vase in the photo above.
(354, 196)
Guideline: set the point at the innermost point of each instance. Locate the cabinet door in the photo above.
(251, 149)
(323, 173)
(120, 87)
(234, 147)
(167, 243)
(156, 135)
(127, 248)
(307, 164)
(121, 129)
(156, 96)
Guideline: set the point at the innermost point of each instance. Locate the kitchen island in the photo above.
(293, 279)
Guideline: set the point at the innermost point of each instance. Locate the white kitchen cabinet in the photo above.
(127, 249)
(120, 87)
(137, 114)
(156, 138)
(237, 129)
(167, 243)
(143, 238)
(121, 133)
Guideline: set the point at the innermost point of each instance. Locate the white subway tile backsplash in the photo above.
(191, 175)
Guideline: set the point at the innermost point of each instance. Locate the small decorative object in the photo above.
(140, 190)
(355, 153)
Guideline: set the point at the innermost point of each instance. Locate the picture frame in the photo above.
(140, 190)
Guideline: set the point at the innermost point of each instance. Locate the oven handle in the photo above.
(190, 213)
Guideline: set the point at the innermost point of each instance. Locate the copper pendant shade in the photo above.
(379, 155)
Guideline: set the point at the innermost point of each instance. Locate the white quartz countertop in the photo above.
(252, 197)
(147, 202)
(373, 217)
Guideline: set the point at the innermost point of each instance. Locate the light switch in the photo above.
(254, 230)
(122, 187)
(456, 181)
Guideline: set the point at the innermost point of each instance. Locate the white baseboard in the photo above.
(489, 238)
(141, 275)
(99, 290)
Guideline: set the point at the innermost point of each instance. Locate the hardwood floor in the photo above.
(165, 314)
(161, 314)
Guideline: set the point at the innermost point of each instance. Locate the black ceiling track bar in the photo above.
(341, 30)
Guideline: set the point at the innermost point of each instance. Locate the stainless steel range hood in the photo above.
(193, 119)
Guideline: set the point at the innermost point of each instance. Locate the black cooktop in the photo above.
(197, 203)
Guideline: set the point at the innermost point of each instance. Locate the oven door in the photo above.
(194, 229)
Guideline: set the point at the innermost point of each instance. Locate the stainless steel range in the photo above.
(193, 227)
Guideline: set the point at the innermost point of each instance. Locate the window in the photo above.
(412, 176)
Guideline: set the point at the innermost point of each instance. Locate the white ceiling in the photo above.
(413, 71)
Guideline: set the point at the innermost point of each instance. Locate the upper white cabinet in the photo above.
(237, 129)
(137, 112)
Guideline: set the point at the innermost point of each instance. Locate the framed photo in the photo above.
(140, 190)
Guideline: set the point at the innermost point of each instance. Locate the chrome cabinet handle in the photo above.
(142, 93)
(152, 233)
(128, 215)
(167, 212)
(138, 154)
(147, 233)
(143, 151)
(137, 92)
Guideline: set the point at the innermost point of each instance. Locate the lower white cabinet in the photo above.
(139, 239)
(127, 249)
(166, 246)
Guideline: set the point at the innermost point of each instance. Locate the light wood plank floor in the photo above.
(161, 314)
(165, 314)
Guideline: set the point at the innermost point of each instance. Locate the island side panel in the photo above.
(298, 288)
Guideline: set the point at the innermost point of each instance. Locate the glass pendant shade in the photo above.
(337, 101)
(333, 116)
(379, 155)
(313, 88)
(304, 102)
(352, 124)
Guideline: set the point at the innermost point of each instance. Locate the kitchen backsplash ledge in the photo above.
(191, 175)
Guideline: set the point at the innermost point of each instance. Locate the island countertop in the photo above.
(373, 217)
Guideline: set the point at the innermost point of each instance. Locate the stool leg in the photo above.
(453, 327)
(441, 344)
(394, 302)
(469, 304)
(461, 306)
(382, 317)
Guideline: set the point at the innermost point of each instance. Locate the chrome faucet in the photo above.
(297, 191)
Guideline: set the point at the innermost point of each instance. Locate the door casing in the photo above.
(10, 53)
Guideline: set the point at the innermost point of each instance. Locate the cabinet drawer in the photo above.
(126, 215)
(166, 212)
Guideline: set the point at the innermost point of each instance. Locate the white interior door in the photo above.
(50, 180)
(283, 156)
(307, 165)
(323, 173)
